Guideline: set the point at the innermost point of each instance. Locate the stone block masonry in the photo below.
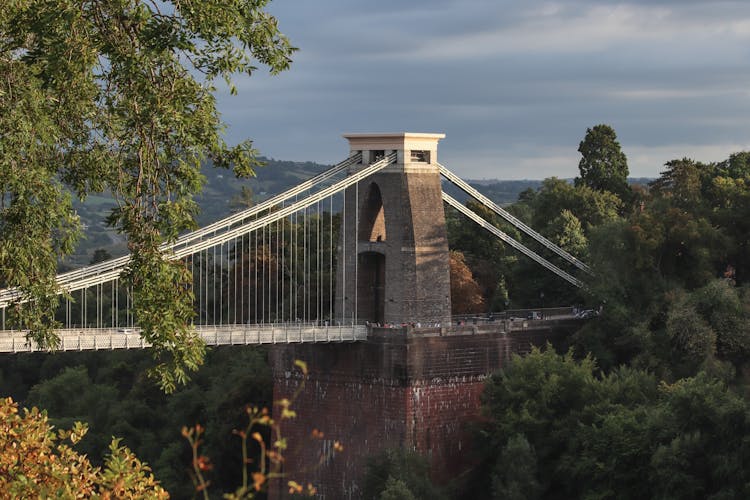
(393, 261)
(399, 389)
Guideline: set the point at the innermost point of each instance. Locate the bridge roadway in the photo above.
(88, 339)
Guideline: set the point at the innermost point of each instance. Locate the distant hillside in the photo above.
(221, 189)
(501, 192)
(506, 192)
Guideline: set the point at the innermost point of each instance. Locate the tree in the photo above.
(109, 391)
(603, 165)
(242, 200)
(395, 489)
(682, 182)
(737, 166)
(589, 206)
(730, 190)
(487, 257)
(72, 396)
(701, 450)
(514, 477)
(691, 335)
(568, 234)
(100, 255)
(36, 462)
(561, 429)
(710, 322)
(466, 297)
(106, 95)
(397, 473)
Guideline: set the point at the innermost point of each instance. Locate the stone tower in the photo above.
(393, 251)
(413, 387)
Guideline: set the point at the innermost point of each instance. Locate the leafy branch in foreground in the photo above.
(118, 95)
(36, 462)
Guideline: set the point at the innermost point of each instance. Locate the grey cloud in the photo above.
(510, 82)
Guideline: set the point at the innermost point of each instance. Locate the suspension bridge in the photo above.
(364, 242)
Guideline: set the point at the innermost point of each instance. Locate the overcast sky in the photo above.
(512, 83)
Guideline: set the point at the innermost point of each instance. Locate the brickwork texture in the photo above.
(397, 390)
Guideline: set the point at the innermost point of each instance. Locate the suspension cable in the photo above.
(118, 264)
(510, 241)
(512, 219)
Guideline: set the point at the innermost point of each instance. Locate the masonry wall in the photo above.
(397, 390)
(416, 270)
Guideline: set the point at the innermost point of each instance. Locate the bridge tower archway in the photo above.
(372, 286)
(372, 220)
(393, 264)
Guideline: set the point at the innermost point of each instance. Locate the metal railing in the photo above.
(93, 339)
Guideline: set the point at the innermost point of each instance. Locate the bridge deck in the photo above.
(129, 338)
(86, 339)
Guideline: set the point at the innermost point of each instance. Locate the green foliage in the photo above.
(533, 396)
(72, 396)
(704, 451)
(560, 211)
(568, 234)
(515, 474)
(603, 165)
(37, 223)
(619, 435)
(590, 206)
(664, 412)
(395, 489)
(683, 183)
(400, 474)
(689, 332)
(484, 252)
(710, 325)
(108, 390)
(675, 238)
(105, 94)
(164, 310)
(37, 462)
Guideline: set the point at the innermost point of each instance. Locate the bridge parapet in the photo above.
(94, 339)
(476, 327)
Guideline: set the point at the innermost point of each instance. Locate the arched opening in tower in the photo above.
(371, 287)
(372, 221)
